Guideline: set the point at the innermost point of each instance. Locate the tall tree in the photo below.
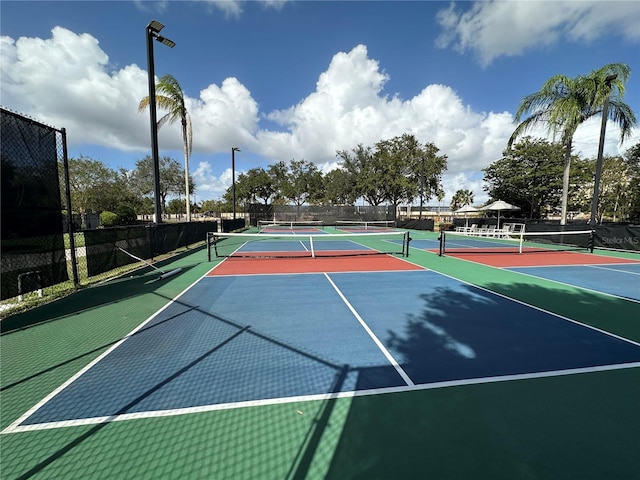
(304, 183)
(170, 97)
(255, 184)
(427, 167)
(262, 185)
(564, 103)
(339, 188)
(618, 187)
(171, 175)
(366, 168)
(278, 172)
(632, 158)
(529, 175)
(397, 157)
(92, 185)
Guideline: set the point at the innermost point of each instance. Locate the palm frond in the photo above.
(144, 103)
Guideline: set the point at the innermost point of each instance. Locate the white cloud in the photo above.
(233, 8)
(224, 116)
(207, 182)
(67, 81)
(491, 29)
(64, 81)
(349, 108)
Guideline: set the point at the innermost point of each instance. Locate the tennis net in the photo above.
(289, 224)
(365, 225)
(521, 242)
(270, 245)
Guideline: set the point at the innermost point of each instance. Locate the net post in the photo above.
(406, 242)
(521, 242)
(208, 246)
(313, 253)
(442, 242)
(591, 241)
(215, 245)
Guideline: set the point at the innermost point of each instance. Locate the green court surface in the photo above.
(582, 425)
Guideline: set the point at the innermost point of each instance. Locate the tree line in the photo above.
(530, 175)
(396, 171)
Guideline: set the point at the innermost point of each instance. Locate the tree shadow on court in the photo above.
(537, 428)
(89, 298)
(301, 459)
(498, 430)
(86, 354)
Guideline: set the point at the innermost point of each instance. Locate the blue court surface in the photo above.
(231, 341)
(622, 280)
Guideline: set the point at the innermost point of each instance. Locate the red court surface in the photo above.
(356, 263)
(534, 259)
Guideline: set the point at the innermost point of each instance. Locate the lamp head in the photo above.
(165, 41)
(155, 25)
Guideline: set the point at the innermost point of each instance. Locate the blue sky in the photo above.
(298, 80)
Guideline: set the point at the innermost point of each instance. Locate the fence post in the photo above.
(70, 226)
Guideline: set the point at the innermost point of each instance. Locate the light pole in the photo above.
(153, 30)
(233, 178)
(603, 128)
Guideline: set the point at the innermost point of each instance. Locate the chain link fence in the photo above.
(43, 253)
(329, 214)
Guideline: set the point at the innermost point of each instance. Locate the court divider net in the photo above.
(365, 225)
(289, 224)
(283, 245)
(520, 242)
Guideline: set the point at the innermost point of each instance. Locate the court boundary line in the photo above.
(602, 267)
(559, 282)
(540, 309)
(316, 397)
(373, 336)
(95, 361)
(313, 273)
(15, 426)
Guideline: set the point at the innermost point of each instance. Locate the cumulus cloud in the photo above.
(65, 81)
(226, 114)
(491, 29)
(68, 81)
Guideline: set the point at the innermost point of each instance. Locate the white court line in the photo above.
(73, 378)
(308, 398)
(540, 309)
(15, 427)
(615, 269)
(520, 271)
(376, 340)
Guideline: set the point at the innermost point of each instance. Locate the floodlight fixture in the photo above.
(152, 33)
(165, 41)
(155, 25)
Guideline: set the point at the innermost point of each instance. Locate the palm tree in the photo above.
(461, 198)
(169, 97)
(564, 103)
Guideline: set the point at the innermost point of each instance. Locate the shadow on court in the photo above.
(562, 427)
(536, 428)
(89, 298)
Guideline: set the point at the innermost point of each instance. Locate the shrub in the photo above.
(127, 215)
(109, 219)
